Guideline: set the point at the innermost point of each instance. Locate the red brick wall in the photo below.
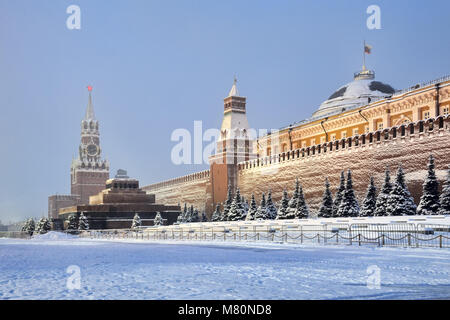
(192, 192)
(364, 161)
(412, 151)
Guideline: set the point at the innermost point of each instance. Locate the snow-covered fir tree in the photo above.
(400, 201)
(301, 210)
(262, 213)
(136, 224)
(43, 226)
(370, 201)
(192, 215)
(245, 204)
(237, 211)
(227, 204)
(39, 226)
(271, 208)
(184, 214)
(429, 201)
(158, 221)
(349, 206)
(283, 211)
(326, 208)
(204, 218)
(252, 209)
(444, 199)
(189, 213)
(73, 223)
(382, 198)
(217, 215)
(195, 216)
(83, 223)
(339, 195)
(24, 226)
(29, 226)
(293, 201)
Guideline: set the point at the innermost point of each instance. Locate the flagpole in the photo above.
(364, 56)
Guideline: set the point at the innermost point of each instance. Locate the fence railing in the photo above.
(395, 235)
(431, 235)
(15, 234)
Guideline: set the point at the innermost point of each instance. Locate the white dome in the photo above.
(358, 92)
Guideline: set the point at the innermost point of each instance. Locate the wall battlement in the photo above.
(201, 175)
(398, 134)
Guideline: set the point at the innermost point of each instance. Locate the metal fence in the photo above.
(394, 235)
(15, 234)
(388, 234)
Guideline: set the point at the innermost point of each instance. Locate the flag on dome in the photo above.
(367, 48)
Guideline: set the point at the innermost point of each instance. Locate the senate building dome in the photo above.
(362, 90)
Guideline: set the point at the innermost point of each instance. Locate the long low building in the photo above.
(115, 206)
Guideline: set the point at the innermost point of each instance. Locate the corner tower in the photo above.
(89, 171)
(233, 146)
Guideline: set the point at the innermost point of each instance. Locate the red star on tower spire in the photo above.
(89, 88)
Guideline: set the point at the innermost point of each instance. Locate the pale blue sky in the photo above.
(159, 65)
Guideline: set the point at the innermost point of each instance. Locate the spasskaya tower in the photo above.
(89, 171)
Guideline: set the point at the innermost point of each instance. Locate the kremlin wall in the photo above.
(364, 126)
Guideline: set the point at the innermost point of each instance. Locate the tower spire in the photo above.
(90, 108)
(234, 91)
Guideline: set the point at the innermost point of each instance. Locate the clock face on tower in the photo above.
(92, 150)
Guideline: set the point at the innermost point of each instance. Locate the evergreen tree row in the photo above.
(41, 227)
(191, 214)
(394, 199)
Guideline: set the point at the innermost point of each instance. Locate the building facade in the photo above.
(364, 126)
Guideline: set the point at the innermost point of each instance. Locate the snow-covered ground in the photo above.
(136, 269)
